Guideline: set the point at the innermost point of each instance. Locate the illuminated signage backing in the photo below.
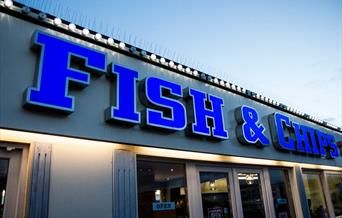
(168, 106)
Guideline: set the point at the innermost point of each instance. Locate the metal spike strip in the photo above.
(150, 57)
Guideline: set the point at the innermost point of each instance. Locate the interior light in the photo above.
(171, 64)
(249, 179)
(98, 36)
(8, 3)
(216, 81)
(157, 195)
(212, 185)
(162, 60)
(195, 73)
(187, 70)
(182, 191)
(179, 67)
(57, 21)
(3, 194)
(122, 45)
(72, 27)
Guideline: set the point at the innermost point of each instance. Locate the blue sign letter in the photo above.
(56, 71)
(327, 145)
(126, 107)
(278, 132)
(302, 139)
(164, 110)
(313, 141)
(205, 109)
(333, 151)
(322, 141)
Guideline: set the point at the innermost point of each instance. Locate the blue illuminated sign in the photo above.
(288, 136)
(163, 111)
(202, 114)
(250, 130)
(126, 108)
(163, 104)
(56, 71)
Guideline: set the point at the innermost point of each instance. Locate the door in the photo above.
(217, 192)
(234, 192)
(9, 181)
(251, 193)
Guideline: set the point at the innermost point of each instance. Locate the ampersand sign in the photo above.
(249, 130)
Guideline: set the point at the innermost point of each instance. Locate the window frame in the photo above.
(324, 178)
(18, 177)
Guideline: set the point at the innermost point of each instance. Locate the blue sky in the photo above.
(288, 50)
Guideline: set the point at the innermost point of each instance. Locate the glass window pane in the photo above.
(314, 195)
(3, 182)
(162, 190)
(251, 195)
(281, 192)
(215, 195)
(335, 189)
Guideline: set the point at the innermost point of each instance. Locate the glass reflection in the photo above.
(281, 192)
(251, 195)
(215, 195)
(314, 195)
(162, 190)
(335, 189)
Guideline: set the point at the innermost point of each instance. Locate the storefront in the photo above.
(93, 127)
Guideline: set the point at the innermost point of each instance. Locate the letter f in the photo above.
(55, 72)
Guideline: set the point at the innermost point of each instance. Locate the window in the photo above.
(3, 182)
(335, 189)
(162, 191)
(281, 193)
(215, 195)
(251, 195)
(314, 195)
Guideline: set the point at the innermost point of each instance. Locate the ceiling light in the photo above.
(153, 57)
(122, 45)
(8, 3)
(57, 21)
(72, 27)
(110, 41)
(98, 36)
(85, 31)
(25, 10)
